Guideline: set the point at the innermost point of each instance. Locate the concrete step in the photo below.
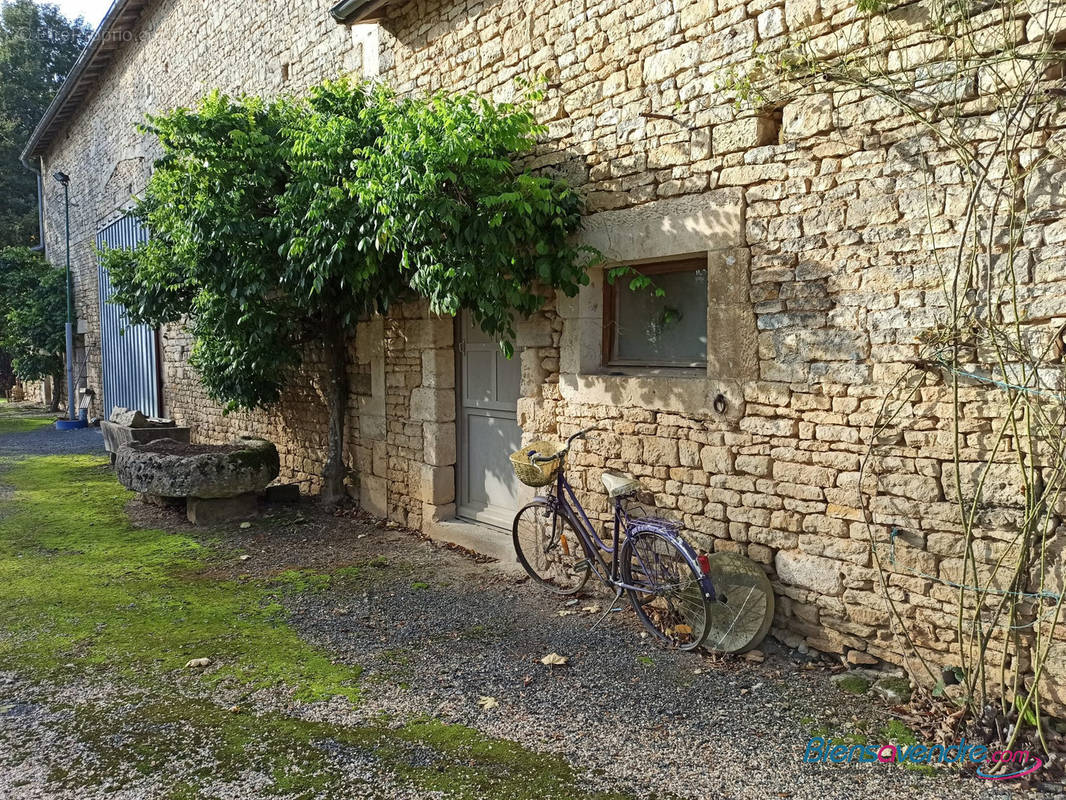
(482, 539)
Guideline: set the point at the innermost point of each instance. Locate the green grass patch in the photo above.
(80, 586)
(12, 424)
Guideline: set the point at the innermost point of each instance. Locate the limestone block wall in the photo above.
(298, 424)
(819, 215)
(839, 220)
(38, 392)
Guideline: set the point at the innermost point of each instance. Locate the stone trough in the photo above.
(128, 425)
(218, 483)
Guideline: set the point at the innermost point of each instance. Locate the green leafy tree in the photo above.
(38, 47)
(278, 225)
(33, 311)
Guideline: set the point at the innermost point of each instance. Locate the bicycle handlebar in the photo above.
(581, 435)
(535, 459)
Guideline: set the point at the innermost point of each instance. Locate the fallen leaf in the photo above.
(554, 660)
(566, 612)
(487, 702)
(754, 656)
(235, 709)
(245, 557)
(245, 525)
(679, 629)
(592, 609)
(198, 662)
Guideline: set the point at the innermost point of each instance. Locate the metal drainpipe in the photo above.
(39, 172)
(71, 411)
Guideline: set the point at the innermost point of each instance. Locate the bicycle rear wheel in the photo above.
(670, 599)
(549, 549)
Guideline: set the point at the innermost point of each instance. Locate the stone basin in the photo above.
(220, 482)
(115, 435)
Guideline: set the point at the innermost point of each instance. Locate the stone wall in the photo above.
(818, 221)
(837, 218)
(38, 392)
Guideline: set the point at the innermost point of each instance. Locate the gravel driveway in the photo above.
(442, 638)
(47, 440)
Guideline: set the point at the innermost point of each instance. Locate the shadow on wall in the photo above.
(297, 424)
(416, 25)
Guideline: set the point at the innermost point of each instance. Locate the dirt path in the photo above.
(453, 700)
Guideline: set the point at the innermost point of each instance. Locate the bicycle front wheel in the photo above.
(669, 595)
(548, 548)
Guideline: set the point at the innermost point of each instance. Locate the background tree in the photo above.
(38, 47)
(7, 374)
(33, 309)
(278, 225)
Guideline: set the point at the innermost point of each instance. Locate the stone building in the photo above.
(794, 240)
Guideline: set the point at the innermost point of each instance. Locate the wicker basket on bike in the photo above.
(534, 464)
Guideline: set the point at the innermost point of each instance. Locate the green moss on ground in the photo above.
(304, 580)
(80, 586)
(304, 758)
(894, 689)
(83, 592)
(896, 731)
(853, 684)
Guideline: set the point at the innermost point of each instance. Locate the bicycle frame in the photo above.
(564, 501)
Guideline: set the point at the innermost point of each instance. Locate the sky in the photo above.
(92, 10)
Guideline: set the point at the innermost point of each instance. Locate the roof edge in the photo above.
(119, 12)
(349, 12)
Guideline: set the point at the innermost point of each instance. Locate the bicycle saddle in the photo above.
(619, 485)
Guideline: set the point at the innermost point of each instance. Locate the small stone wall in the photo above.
(38, 392)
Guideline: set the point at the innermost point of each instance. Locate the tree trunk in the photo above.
(57, 391)
(337, 400)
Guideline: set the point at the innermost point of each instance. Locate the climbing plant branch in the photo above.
(975, 89)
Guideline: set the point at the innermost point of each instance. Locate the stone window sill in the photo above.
(692, 393)
(681, 373)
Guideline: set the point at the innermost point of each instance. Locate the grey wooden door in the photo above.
(489, 386)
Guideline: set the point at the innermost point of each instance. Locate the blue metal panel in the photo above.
(129, 354)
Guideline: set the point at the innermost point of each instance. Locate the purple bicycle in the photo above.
(667, 582)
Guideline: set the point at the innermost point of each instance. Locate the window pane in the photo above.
(663, 330)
